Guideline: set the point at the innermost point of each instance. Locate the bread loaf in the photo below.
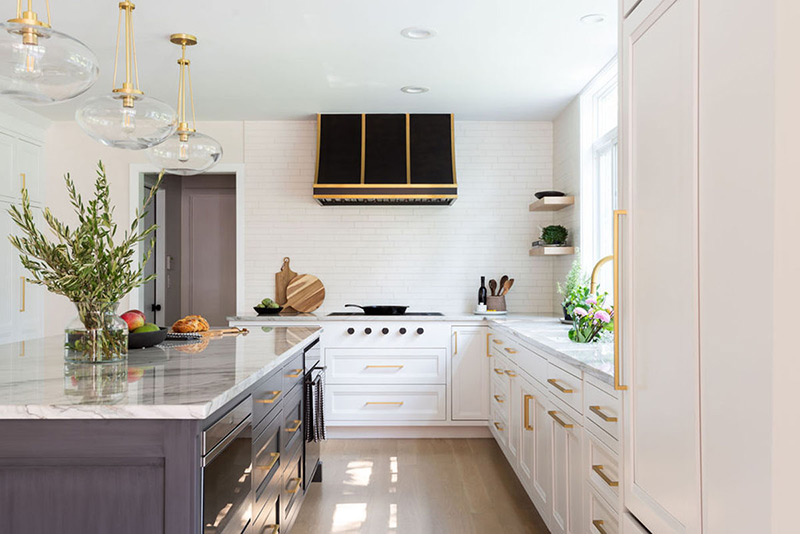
(189, 324)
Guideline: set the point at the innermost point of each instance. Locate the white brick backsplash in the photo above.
(429, 257)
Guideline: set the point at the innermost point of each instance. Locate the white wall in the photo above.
(567, 178)
(69, 150)
(428, 257)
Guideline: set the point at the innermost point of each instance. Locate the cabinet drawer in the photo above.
(602, 469)
(499, 427)
(293, 373)
(601, 519)
(386, 403)
(503, 345)
(292, 431)
(565, 386)
(267, 396)
(267, 519)
(386, 366)
(292, 490)
(500, 399)
(603, 410)
(266, 453)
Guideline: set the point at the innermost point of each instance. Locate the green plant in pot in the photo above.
(89, 264)
(554, 234)
(575, 289)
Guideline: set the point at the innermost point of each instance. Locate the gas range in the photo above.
(407, 314)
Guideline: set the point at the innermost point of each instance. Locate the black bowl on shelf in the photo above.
(143, 340)
(541, 194)
(268, 311)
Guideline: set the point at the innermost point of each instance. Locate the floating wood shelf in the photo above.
(552, 203)
(552, 251)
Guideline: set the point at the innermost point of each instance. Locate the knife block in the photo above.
(496, 303)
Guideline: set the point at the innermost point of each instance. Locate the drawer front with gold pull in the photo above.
(499, 426)
(565, 387)
(526, 412)
(293, 373)
(604, 477)
(603, 410)
(559, 387)
(267, 396)
(272, 397)
(602, 469)
(601, 519)
(499, 399)
(388, 402)
(558, 419)
(510, 350)
(386, 366)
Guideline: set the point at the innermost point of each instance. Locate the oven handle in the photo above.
(208, 458)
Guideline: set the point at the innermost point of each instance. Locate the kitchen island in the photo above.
(185, 437)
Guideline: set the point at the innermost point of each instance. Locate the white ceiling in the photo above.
(290, 59)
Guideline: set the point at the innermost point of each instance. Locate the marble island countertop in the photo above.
(174, 380)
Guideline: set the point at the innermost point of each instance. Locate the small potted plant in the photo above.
(86, 265)
(575, 289)
(592, 320)
(554, 235)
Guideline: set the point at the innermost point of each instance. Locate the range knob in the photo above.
(402, 331)
(384, 331)
(420, 331)
(368, 331)
(351, 331)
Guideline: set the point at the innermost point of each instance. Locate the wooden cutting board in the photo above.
(305, 293)
(282, 279)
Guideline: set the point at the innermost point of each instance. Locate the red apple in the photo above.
(134, 318)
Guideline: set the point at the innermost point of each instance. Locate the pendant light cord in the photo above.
(116, 51)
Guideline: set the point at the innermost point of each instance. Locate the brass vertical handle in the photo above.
(598, 524)
(617, 323)
(456, 340)
(526, 403)
(488, 352)
(22, 283)
(24, 181)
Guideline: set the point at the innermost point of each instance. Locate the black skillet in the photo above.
(380, 310)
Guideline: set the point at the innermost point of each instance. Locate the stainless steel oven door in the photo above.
(227, 498)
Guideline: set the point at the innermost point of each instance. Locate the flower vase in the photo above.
(96, 335)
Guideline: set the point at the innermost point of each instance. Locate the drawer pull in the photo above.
(275, 529)
(275, 395)
(24, 180)
(510, 350)
(296, 427)
(526, 404)
(599, 470)
(510, 373)
(384, 403)
(384, 367)
(559, 387)
(455, 335)
(499, 399)
(601, 415)
(22, 283)
(269, 466)
(598, 524)
(488, 352)
(498, 371)
(295, 373)
(497, 341)
(296, 487)
(554, 415)
(499, 427)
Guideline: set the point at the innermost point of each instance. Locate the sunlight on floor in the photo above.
(348, 517)
(359, 473)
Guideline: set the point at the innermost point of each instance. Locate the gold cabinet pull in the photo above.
(380, 403)
(275, 456)
(617, 322)
(455, 334)
(497, 341)
(607, 418)
(275, 529)
(511, 373)
(22, 283)
(498, 371)
(598, 524)
(275, 395)
(526, 400)
(296, 487)
(24, 181)
(488, 352)
(554, 415)
(499, 399)
(384, 367)
(510, 350)
(499, 427)
(599, 470)
(295, 373)
(559, 387)
(296, 427)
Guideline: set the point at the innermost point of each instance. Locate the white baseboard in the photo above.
(407, 432)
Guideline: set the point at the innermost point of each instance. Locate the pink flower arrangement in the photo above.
(591, 320)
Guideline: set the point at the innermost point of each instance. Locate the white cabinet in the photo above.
(659, 189)
(567, 501)
(628, 6)
(470, 365)
(8, 262)
(535, 445)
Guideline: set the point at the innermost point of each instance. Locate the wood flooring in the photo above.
(417, 486)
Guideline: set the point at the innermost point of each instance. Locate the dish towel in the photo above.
(314, 412)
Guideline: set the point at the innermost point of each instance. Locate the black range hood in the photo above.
(380, 159)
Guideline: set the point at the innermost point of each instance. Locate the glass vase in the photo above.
(96, 335)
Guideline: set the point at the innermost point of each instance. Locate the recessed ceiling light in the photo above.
(417, 33)
(594, 18)
(414, 89)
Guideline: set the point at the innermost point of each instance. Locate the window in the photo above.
(599, 139)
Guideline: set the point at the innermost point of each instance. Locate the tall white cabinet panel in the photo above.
(567, 500)
(660, 265)
(470, 373)
(9, 185)
(8, 261)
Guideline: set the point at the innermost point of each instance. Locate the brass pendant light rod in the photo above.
(184, 40)
(29, 16)
(128, 89)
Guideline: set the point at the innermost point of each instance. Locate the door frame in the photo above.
(136, 187)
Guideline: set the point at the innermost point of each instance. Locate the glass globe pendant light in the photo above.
(40, 65)
(125, 118)
(187, 151)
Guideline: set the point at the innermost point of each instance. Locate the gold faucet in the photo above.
(593, 283)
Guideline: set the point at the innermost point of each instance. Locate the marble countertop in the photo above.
(548, 335)
(174, 380)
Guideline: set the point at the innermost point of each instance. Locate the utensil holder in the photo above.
(496, 303)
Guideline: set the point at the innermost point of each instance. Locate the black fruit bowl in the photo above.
(143, 340)
(268, 311)
(542, 194)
